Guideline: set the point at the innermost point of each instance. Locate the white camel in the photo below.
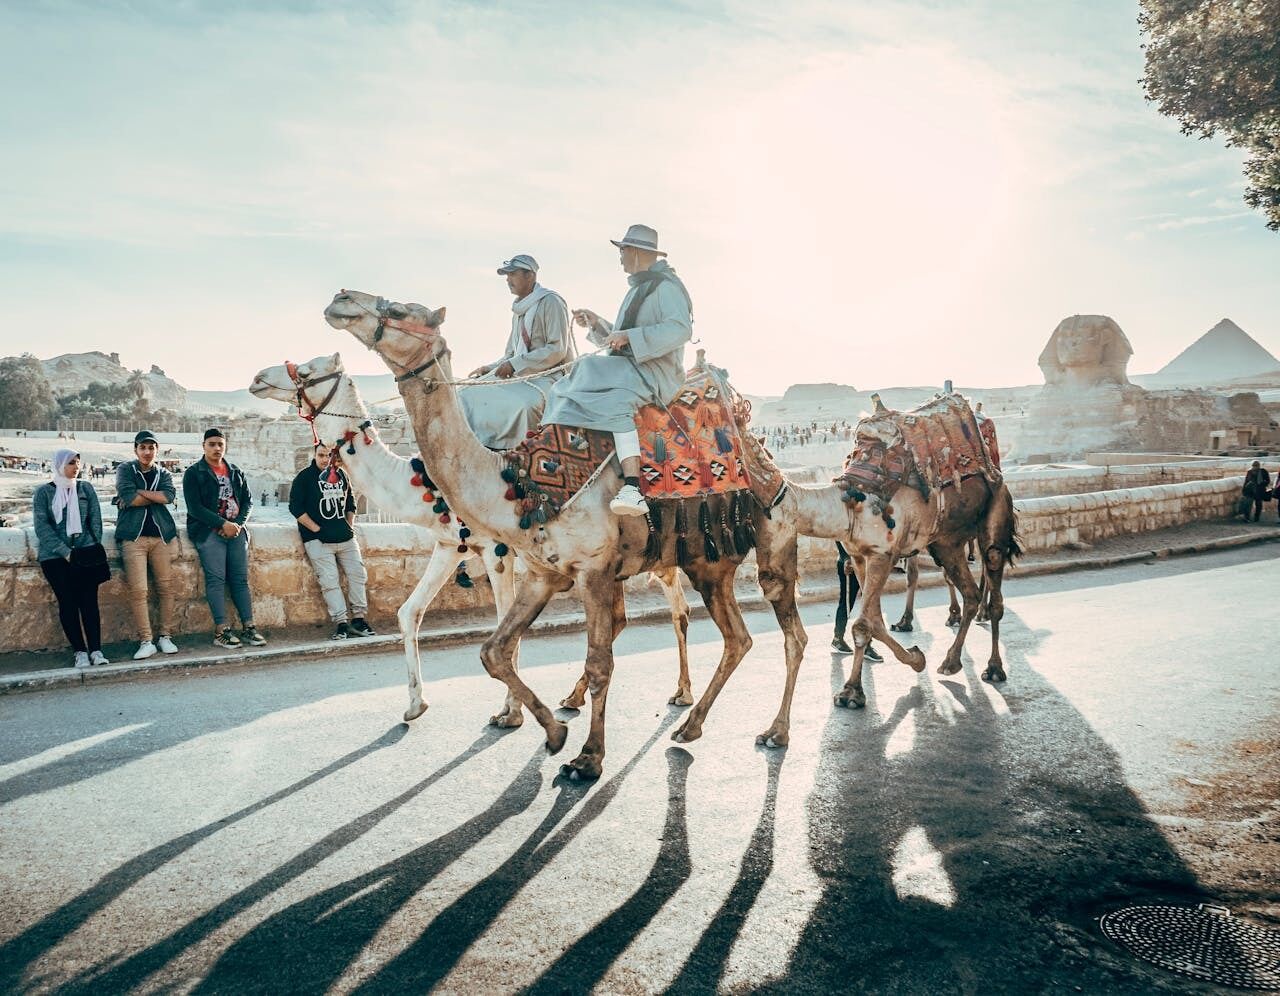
(322, 390)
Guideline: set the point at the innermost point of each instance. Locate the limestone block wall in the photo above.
(1051, 523)
(1083, 480)
(286, 594)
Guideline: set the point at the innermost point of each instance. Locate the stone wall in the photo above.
(1051, 523)
(1082, 480)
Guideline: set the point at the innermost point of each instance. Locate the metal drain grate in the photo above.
(1204, 942)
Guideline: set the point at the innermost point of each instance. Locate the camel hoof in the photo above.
(994, 674)
(917, 661)
(903, 626)
(413, 712)
(686, 734)
(771, 739)
(581, 769)
(853, 700)
(572, 703)
(557, 733)
(948, 667)
(953, 621)
(681, 699)
(507, 720)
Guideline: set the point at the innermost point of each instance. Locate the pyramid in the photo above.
(1225, 353)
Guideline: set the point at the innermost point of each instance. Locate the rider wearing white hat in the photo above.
(644, 365)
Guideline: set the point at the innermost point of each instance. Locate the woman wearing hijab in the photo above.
(68, 518)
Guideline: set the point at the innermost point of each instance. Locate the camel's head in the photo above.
(405, 335)
(284, 382)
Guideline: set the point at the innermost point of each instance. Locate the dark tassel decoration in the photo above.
(439, 506)
(501, 549)
(525, 521)
(418, 466)
(653, 544)
(462, 578)
(708, 541)
(743, 529)
(659, 448)
(723, 445)
(682, 545)
(726, 531)
(508, 474)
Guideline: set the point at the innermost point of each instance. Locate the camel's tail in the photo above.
(1004, 535)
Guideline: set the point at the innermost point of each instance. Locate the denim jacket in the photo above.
(51, 537)
(129, 522)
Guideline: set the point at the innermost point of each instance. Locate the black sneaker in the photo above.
(341, 633)
(361, 628)
(871, 654)
(839, 646)
(251, 636)
(226, 639)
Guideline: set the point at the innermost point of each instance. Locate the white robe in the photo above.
(501, 415)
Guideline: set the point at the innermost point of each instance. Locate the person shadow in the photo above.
(976, 860)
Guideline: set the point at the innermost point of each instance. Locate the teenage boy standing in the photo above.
(320, 498)
(218, 502)
(145, 533)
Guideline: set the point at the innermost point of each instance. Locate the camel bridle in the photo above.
(428, 334)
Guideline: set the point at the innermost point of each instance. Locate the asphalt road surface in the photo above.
(278, 829)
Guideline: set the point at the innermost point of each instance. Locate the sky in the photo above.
(877, 194)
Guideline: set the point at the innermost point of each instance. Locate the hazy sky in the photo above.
(875, 193)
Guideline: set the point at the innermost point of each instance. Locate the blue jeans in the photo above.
(226, 564)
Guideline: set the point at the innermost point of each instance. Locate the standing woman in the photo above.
(68, 523)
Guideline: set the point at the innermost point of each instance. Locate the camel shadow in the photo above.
(976, 859)
(135, 969)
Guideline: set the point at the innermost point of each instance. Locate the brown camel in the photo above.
(586, 544)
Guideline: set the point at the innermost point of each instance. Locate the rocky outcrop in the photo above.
(73, 372)
(820, 392)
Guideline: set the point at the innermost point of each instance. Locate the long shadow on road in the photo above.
(138, 967)
(975, 860)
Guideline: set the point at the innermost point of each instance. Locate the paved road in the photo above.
(277, 829)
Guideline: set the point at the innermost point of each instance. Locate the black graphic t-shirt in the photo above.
(149, 527)
(327, 502)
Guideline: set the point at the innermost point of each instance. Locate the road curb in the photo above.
(320, 650)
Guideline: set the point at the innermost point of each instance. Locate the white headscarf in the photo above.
(65, 498)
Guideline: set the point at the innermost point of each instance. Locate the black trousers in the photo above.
(1257, 510)
(77, 595)
(848, 590)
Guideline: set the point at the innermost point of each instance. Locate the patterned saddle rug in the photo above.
(692, 449)
(933, 447)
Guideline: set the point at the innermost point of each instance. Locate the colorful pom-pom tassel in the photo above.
(416, 480)
(426, 496)
(462, 547)
(508, 475)
(417, 464)
(525, 522)
(510, 494)
(463, 532)
(439, 506)
(501, 549)
(444, 518)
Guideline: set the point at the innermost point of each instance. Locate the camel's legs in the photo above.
(606, 615)
(498, 651)
(669, 579)
(503, 583)
(778, 581)
(906, 623)
(870, 623)
(998, 546)
(717, 595)
(953, 609)
(956, 566)
(444, 559)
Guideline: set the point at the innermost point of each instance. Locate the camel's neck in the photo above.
(820, 511)
(468, 472)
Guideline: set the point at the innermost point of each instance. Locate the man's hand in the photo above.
(229, 530)
(586, 317)
(618, 341)
(479, 372)
(505, 370)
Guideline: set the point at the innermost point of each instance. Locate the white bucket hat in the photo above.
(641, 237)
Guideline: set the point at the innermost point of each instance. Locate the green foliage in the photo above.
(25, 396)
(107, 400)
(1214, 65)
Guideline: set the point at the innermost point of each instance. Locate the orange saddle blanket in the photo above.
(692, 448)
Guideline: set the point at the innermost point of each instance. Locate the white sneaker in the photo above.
(628, 501)
(82, 658)
(145, 649)
(98, 657)
(166, 645)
